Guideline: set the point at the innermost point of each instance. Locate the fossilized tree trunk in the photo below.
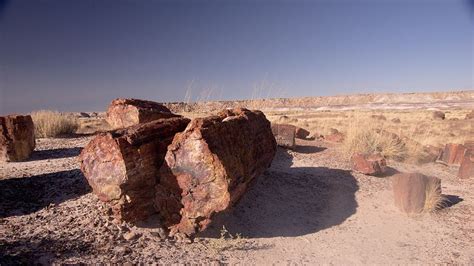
(128, 112)
(122, 167)
(17, 137)
(210, 165)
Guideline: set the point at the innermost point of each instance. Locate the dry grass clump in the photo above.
(367, 138)
(53, 124)
(227, 241)
(434, 200)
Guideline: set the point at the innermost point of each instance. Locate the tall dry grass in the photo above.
(53, 124)
(369, 138)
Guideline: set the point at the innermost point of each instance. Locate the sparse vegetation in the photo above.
(53, 124)
(227, 241)
(370, 139)
(434, 200)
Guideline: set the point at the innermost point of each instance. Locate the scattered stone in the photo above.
(396, 120)
(369, 164)
(17, 137)
(379, 117)
(466, 170)
(453, 154)
(416, 193)
(128, 112)
(122, 166)
(470, 115)
(285, 119)
(438, 115)
(301, 133)
(284, 135)
(334, 136)
(130, 236)
(210, 165)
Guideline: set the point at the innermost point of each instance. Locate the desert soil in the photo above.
(307, 208)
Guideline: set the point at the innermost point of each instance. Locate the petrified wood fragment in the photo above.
(17, 137)
(128, 112)
(416, 193)
(453, 153)
(122, 167)
(210, 165)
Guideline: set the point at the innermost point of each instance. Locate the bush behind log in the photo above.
(53, 124)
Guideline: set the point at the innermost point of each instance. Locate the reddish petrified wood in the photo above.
(122, 167)
(210, 165)
(284, 135)
(453, 153)
(17, 137)
(128, 112)
(301, 133)
(334, 136)
(466, 170)
(415, 193)
(369, 164)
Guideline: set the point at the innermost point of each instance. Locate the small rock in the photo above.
(130, 236)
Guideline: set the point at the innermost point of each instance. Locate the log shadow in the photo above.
(54, 154)
(309, 149)
(290, 201)
(451, 200)
(20, 196)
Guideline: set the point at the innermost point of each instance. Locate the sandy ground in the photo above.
(307, 208)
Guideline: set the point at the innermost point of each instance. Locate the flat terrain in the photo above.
(308, 207)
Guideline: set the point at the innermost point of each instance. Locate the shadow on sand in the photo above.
(19, 196)
(55, 154)
(290, 201)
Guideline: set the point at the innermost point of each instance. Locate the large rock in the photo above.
(453, 154)
(210, 165)
(122, 167)
(416, 193)
(17, 137)
(128, 112)
(284, 135)
(369, 164)
(466, 170)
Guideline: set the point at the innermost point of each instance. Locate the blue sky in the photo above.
(73, 55)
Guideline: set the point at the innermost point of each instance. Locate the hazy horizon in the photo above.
(79, 55)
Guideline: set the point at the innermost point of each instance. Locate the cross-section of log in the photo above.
(122, 166)
(210, 165)
(453, 153)
(284, 135)
(128, 112)
(17, 137)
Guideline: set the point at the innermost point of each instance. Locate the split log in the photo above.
(17, 137)
(453, 154)
(369, 164)
(416, 193)
(210, 165)
(128, 112)
(122, 167)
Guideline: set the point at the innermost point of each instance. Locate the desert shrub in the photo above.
(53, 124)
(368, 138)
(434, 200)
(227, 241)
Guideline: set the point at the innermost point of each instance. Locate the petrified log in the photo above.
(438, 115)
(453, 153)
(17, 137)
(210, 165)
(122, 167)
(284, 135)
(466, 170)
(416, 193)
(128, 112)
(369, 164)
